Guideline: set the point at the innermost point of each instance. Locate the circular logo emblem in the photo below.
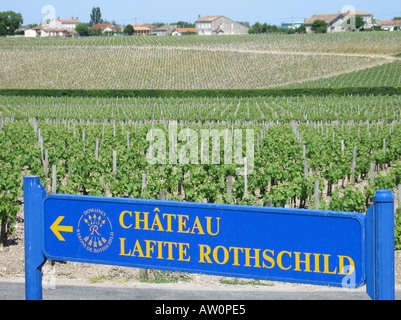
(94, 231)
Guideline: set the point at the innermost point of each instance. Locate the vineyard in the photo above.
(308, 151)
(387, 74)
(139, 67)
(298, 141)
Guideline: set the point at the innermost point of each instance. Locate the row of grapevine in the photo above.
(348, 109)
(18, 156)
(384, 43)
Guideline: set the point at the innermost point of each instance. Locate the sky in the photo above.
(130, 11)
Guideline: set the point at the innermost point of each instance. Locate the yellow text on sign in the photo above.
(169, 222)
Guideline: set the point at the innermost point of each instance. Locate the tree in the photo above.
(256, 28)
(82, 28)
(129, 30)
(159, 24)
(31, 25)
(94, 32)
(359, 22)
(319, 26)
(272, 28)
(354, 22)
(264, 28)
(291, 31)
(184, 24)
(96, 16)
(9, 22)
(301, 29)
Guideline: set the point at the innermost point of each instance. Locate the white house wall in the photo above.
(30, 33)
(224, 24)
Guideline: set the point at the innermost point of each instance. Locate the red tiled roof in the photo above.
(357, 13)
(208, 18)
(166, 27)
(144, 24)
(329, 17)
(325, 17)
(389, 22)
(183, 30)
(100, 26)
(142, 29)
(69, 21)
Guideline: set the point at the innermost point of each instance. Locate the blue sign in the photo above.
(294, 245)
(306, 246)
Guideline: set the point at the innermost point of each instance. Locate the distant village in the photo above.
(213, 25)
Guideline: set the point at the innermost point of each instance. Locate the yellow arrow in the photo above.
(56, 228)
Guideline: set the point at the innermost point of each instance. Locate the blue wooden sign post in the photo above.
(293, 245)
(380, 247)
(34, 194)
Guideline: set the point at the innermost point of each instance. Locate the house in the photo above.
(143, 28)
(334, 22)
(30, 33)
(106, 27)
(367, 17)
(213, 25)
(338, 22)
(68, 24)
(142, 31)
(46, 31)
(164, 30)
(183, 31)
(143, 25)
(291, 25)
(117, 29)
(389, 25)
